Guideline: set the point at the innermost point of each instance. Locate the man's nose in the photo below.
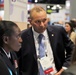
(42, 23)
(20, 39)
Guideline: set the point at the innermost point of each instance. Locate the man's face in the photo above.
(14, 41)
(39, 21)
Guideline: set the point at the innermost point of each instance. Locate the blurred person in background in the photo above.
(10, 41)
(61, 23)
(73, 21)
(49, 21)
(0, 18)
(69, 27)
(28, 25)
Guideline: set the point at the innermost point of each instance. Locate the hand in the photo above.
(59, 73)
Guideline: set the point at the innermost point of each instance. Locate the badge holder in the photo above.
(46, 66)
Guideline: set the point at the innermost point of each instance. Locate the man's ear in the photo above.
(5, 39)
(48, 19)
(30, 21)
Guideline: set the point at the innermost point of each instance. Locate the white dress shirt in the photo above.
(48, 48)
(7, 54)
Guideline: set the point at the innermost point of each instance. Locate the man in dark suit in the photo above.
(10, 41)
(56, 43)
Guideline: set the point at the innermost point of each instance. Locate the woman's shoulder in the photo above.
(74, 33)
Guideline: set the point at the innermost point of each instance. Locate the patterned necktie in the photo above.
(41, 46)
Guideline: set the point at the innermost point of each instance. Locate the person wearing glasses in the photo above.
(10, 41)
(43, 47)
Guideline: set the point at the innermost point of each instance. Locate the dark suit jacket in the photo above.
(59, 43)
(3, 68)
(70, 71)
(8, 63)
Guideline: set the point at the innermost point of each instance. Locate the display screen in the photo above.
(48, 1)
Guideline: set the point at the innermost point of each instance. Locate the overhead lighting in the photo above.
(67, 4)
(48, 6)
(36, 1)
(56, 6)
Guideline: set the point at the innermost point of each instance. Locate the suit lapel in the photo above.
(52, 36)
(8, 62)
(30, 36)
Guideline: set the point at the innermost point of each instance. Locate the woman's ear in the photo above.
(5, 39)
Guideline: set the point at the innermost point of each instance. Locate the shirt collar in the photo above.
(37, 34)
(7, 54)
